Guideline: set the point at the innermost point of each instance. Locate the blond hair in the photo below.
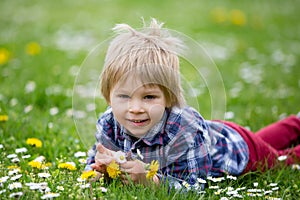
(150, 54)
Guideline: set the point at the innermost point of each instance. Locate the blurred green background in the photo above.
(254, 44)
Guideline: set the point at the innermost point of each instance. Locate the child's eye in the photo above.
(123, 96)
(150, 97)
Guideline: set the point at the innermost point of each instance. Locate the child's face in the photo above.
(137, 107)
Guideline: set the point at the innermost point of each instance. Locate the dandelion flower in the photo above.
(153, 168)
(34, 142)
(33, 48)
(3, 118)
(37, 164)
(4, 56)
(67, 165)
(238, 17)
(113, 169)
(88, 174)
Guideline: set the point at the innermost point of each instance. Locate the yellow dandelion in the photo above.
(33, 48)
(67, 165)
(4, 56)
(13, 167)
(37, 164)
(237, 17)
(113, 169)
(88, 174)
(219, 15)
(153, 168)
(3, 118)
(34, 142)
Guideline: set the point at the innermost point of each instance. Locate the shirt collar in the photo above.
(154, 134)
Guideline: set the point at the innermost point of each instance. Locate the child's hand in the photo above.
(102, 158)
(134, 170)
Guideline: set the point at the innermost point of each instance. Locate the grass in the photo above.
(43, 45)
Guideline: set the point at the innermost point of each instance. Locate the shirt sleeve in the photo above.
(188, 159)
(104, 135)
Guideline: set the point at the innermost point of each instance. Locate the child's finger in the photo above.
(103, 150)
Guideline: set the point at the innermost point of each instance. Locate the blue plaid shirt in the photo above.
(186, 146)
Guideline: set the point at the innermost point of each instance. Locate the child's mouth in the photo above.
(139, 122)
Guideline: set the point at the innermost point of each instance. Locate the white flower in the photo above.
(12, 156)
(120, 157)
(61, 188)
(214, 187)
(4, 179)
(83, 186)
(82, 161)
(200, 180)
(296, 166)
(33, 186)
(273, 184)
(44, 175)
(139, 154)
(15, 160)
(1, 146)
(26, 156)
(16, 177)
(15, 194)
(14, 185)
(255, 184)
(231, 177)
(218, 179)
(40, 159)
(282, 158)
(2, 191)
(103, 189)
(21, 150)
(50, 195)
(28, 108)
(14, 171)
(30, 87)
(54, 111)
(80, 154)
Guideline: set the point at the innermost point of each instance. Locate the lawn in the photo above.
(51, 54)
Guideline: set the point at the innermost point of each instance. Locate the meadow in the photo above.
(50, 62)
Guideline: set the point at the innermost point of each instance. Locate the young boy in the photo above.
(147, 119)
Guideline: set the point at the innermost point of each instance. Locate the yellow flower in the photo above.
(34, 142)
(33, 48)
(68, 165)
(153, 168)
(113, 169)
(4, 56)
(219, 15)
(88, 174)
(237, 17)
(37, 164)
(3, 118)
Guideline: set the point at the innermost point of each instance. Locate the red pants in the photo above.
(270, 142)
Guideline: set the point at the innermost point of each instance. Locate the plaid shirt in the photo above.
(186, 146)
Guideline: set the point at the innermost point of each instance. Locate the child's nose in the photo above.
(136, 106)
